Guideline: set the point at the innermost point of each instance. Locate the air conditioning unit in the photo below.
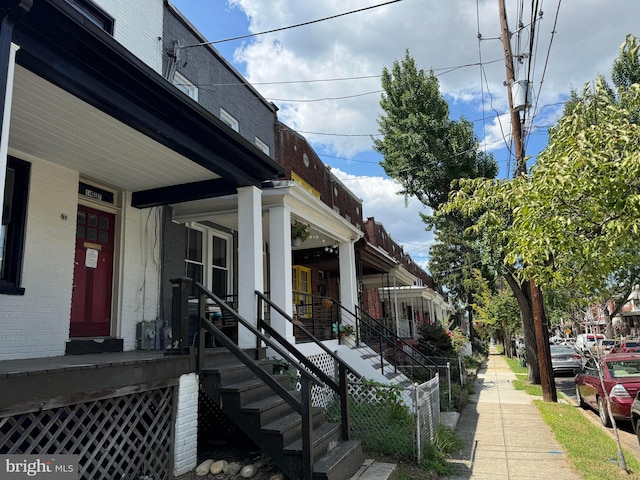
(146, 335)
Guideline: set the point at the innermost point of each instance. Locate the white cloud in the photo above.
(438, 35)
(402, 221)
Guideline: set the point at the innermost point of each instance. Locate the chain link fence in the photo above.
(392, 420)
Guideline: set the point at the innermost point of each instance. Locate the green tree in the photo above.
(422, 148)
(496, 311)
(575, 222)
(626, 68)
(425, 151)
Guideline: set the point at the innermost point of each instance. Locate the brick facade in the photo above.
(296, 155)
(138, 27)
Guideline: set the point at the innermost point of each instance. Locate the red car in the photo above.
(621, 375)
(627, 346)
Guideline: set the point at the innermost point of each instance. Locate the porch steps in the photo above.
(275, 427)
(367, 359)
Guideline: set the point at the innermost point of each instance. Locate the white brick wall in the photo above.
(37, 323)
(140, 266)
(186, 428)
(138, 27)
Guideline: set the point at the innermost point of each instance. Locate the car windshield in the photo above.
(624, 368)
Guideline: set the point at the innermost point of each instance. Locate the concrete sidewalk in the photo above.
(504, 436)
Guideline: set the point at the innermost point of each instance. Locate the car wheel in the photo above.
(602, 412)
(638, 431)
(579, 398)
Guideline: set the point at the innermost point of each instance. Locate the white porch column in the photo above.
(432, 312)
(280, 268)
(348, 279)
(250, 270)
(6, 118)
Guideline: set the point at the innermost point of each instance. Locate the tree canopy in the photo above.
(423, 148)
(575, 220)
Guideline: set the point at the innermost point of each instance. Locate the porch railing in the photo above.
(309, 373)
(341, 388)
(320, 318)
(318, 314)
(402, 356)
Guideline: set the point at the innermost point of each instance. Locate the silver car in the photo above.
(564, 359)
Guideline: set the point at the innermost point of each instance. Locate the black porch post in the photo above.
(180, 288)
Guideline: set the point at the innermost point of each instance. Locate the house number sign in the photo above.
(95, 193)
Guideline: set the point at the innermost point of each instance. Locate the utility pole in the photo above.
(537, 305)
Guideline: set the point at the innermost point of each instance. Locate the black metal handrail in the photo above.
(341, 388)
(302, 406)
(385, 336)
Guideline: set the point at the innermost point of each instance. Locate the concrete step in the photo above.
(374, 470)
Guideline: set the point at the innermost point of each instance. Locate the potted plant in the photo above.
(299, 232)
(343, 329)
(348, 330)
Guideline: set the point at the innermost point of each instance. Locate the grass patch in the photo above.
(514, 365)
(592, 451)
(534, 390)
(435, 455)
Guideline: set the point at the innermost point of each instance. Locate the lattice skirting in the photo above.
(127, 437)
(215, 428)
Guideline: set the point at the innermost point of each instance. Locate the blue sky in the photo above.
(324, 77)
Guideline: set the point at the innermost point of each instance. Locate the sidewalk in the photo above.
(504, 436)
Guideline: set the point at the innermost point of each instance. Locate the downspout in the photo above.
(7, 64)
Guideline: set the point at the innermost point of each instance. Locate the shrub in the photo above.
(434, 339)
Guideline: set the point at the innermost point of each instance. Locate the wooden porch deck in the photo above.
(34, 384)
(30, 366)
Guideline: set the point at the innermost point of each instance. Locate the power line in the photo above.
(323, 99)
(546, 61)
(240, 37)
(444, 70)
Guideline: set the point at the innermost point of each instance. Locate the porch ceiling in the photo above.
(82, 100)
(51, 124)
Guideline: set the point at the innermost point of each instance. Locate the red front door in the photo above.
(92, 274)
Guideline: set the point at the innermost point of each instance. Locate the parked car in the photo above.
(627, 346)
(635, 415)
(607, 346)
(621, 376)
(564, 359)
(586, 341)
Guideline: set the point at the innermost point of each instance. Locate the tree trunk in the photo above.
(470, 320)
(522, 292)
(608, 323)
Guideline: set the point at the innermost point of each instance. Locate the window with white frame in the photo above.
(183, 84)
(208, 259)
(262, 146)
(229, 119)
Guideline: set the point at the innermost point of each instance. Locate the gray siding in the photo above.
(219, 85)
(174, 239)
